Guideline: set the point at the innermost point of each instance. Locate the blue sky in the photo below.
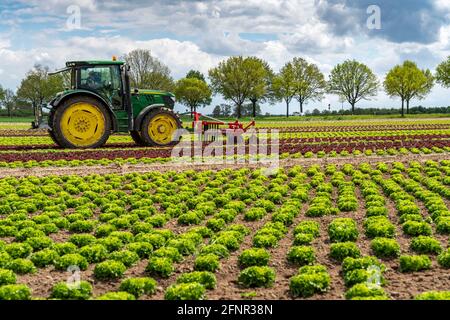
(198, 34)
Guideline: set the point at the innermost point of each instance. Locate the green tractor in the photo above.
(100, 102)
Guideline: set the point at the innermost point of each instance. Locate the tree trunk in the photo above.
(301, 107)
(238, 111)
(254, 108)
(353, 108)
(403, 108)
(407, 106)
(9, 111)
(192, 114)
(287, 109)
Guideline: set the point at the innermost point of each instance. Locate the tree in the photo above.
(443, 73)
(262, 82)
(195, 74)
(354, 81)
(407, 82)
(216, 112)
(226, 110)
(7, 100)
(147, 71)
(250, 110)
(193, 93)
(310, 82)
(157, 81)
(420, 87)
(38, 87)
(2, 92)
(198, 75)
(235, 79)
(284, 86)
(222, 110)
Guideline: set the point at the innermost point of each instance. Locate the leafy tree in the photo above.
(443, 73)
(193, 93)
(222, 110)
(147, 71)
(260, 90)
(8, 100)
(195, 74)
(248, 111)
(157, 81)
(235, 79)
(38, 87)
(284, 86)
(217, 111)
(421, 87)
(310, 82)
(354, 81)
(226, 110)
(407, 81)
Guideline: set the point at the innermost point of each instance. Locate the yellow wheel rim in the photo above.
(83, 124)
(161, 129)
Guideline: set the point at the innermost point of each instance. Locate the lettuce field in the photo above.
(356, 210)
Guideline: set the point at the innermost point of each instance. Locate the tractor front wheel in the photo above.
(159, 126)
(81, 122)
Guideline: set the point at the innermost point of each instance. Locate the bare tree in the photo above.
(147, 71)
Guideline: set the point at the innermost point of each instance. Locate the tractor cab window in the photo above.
(95, 78)
(104, 81)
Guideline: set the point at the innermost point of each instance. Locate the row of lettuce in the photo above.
(118, 160)
(117, 221)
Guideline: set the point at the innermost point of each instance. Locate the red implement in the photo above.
(202, 126)
(212, 123)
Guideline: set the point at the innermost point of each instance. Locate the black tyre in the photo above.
(136, 136)
(50, 122)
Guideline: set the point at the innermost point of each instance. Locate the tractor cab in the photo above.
(99, 102)
(104, 78)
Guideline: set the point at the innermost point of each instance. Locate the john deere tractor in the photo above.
(100, 102)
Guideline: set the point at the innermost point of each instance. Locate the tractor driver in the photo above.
(94, 80)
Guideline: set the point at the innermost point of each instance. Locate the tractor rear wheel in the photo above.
(50, 122)
(52, 135)
(159, 126)
(136, 136)
(81, 122)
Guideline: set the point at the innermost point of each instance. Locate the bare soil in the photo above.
(399, 285)
(178, 167)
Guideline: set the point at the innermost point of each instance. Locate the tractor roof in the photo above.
(93, 63)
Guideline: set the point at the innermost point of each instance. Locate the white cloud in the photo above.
(191, 35)
(180, 56)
